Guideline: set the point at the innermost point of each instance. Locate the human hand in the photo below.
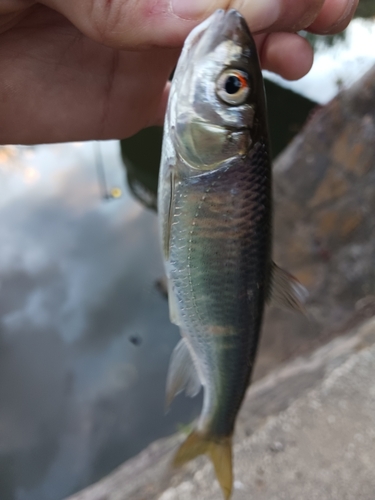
(98, 69)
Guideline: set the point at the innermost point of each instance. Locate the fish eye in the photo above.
(232, 86)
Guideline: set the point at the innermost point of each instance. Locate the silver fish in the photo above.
(214, 203)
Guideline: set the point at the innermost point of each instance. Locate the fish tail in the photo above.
(219, 450)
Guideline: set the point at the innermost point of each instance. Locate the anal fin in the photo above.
(182, 374)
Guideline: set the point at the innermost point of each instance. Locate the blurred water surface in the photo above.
(85, 336)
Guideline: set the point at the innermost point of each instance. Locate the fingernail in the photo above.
(336, 21)
(261, 14)
(193, 9)
(346, 12)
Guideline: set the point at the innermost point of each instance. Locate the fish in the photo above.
(215, 213)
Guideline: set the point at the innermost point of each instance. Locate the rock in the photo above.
(321, 446)
(324, 190)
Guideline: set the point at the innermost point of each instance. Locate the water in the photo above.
(85, 335)
(337, 65)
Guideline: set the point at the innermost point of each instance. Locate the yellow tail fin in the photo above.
(219, 451)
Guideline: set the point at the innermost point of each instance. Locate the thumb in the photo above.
(127, 24)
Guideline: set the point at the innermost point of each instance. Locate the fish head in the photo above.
(217, 106)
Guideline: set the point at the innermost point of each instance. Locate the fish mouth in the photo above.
(214, 126)
(225, 25)
(228, 22)
(225, 22)
(221, 26)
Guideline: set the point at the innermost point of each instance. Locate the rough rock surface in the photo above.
(324, 190)
(321, 447)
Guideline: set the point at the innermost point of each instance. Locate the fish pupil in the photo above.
(232, 84)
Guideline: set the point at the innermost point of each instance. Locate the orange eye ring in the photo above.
(242, 79)
(232, 86)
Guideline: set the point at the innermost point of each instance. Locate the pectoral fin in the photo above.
(182, 374)
(286, 291)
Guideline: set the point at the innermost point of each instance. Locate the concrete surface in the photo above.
(321, 447)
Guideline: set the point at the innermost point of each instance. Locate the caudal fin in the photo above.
(218, 450)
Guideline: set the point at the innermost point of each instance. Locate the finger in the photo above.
(334, 16)
(159, 116)
(11, 6)
(287, 54)
(76, 88)
(125, 24)
(278, 15)
(12, 11)
(144, 23)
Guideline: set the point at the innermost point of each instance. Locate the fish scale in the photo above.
(224, 256)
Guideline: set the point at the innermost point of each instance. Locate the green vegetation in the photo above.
(366, 8)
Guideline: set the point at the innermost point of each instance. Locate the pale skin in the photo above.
(98, 69)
